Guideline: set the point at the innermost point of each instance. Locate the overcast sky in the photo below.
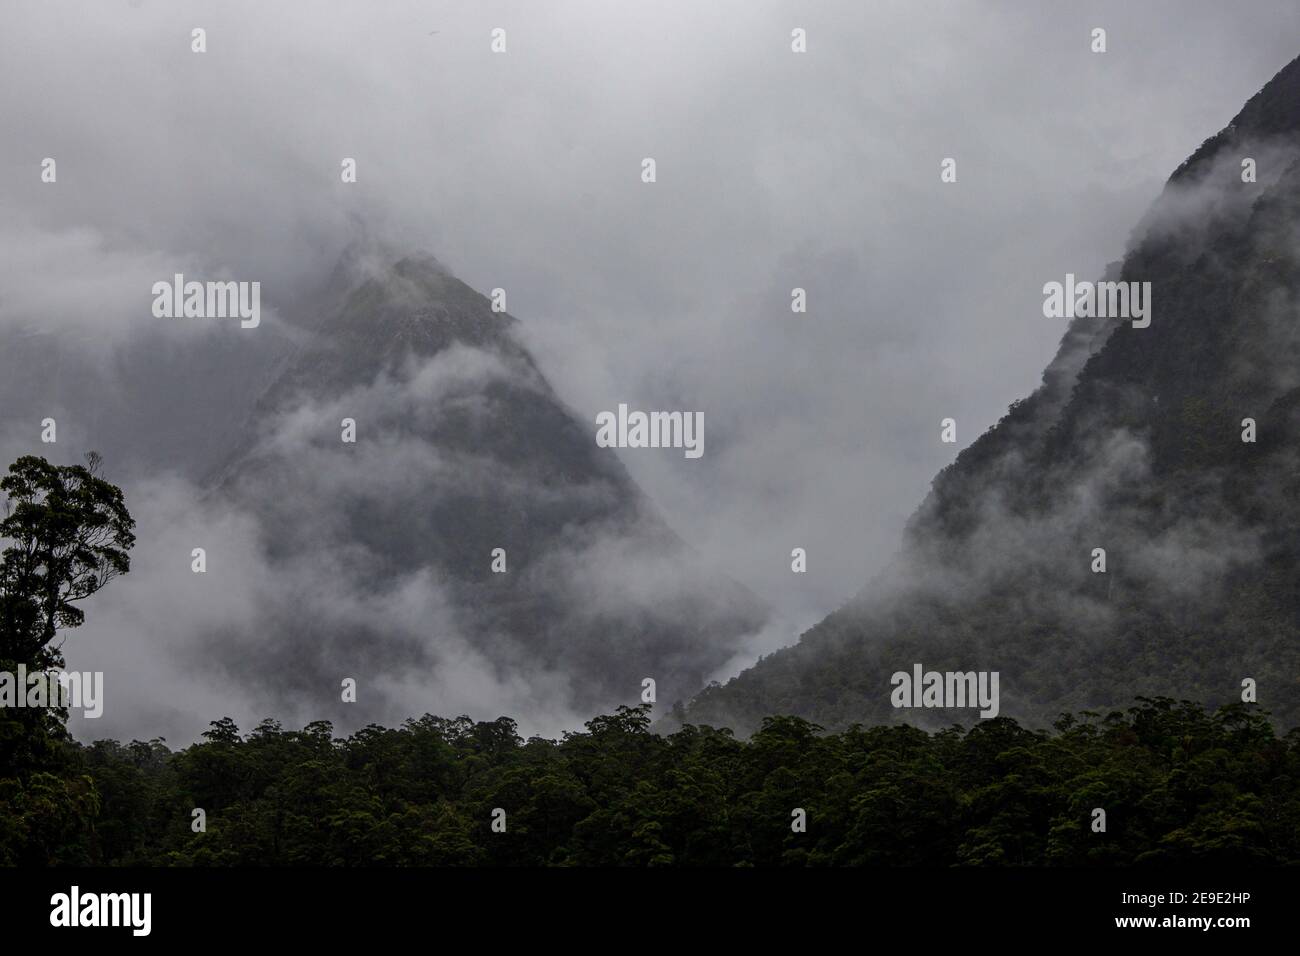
(522, 171)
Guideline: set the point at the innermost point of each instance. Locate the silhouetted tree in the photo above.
(68, 533)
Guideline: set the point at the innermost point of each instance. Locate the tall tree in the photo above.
(67, 533)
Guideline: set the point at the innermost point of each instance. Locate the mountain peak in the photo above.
(470, 490)
(1271, 114)
(380, 309)
(1130, 528)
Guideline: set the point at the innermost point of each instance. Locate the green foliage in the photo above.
(1179, 785)
(67, 534)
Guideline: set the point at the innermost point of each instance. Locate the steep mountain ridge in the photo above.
(1132, 444)
(463, 448)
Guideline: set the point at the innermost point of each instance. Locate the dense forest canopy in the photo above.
(1177, 784)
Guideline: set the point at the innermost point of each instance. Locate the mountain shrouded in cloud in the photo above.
(326, 559)
(777, 170)
(1133, 444)
(472, 517)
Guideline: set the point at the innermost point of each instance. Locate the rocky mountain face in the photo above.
(473, 547)
(472, 504)
(1135, 444)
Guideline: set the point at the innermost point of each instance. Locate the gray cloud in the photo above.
(521, 171)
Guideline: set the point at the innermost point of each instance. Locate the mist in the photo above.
(522, 171)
